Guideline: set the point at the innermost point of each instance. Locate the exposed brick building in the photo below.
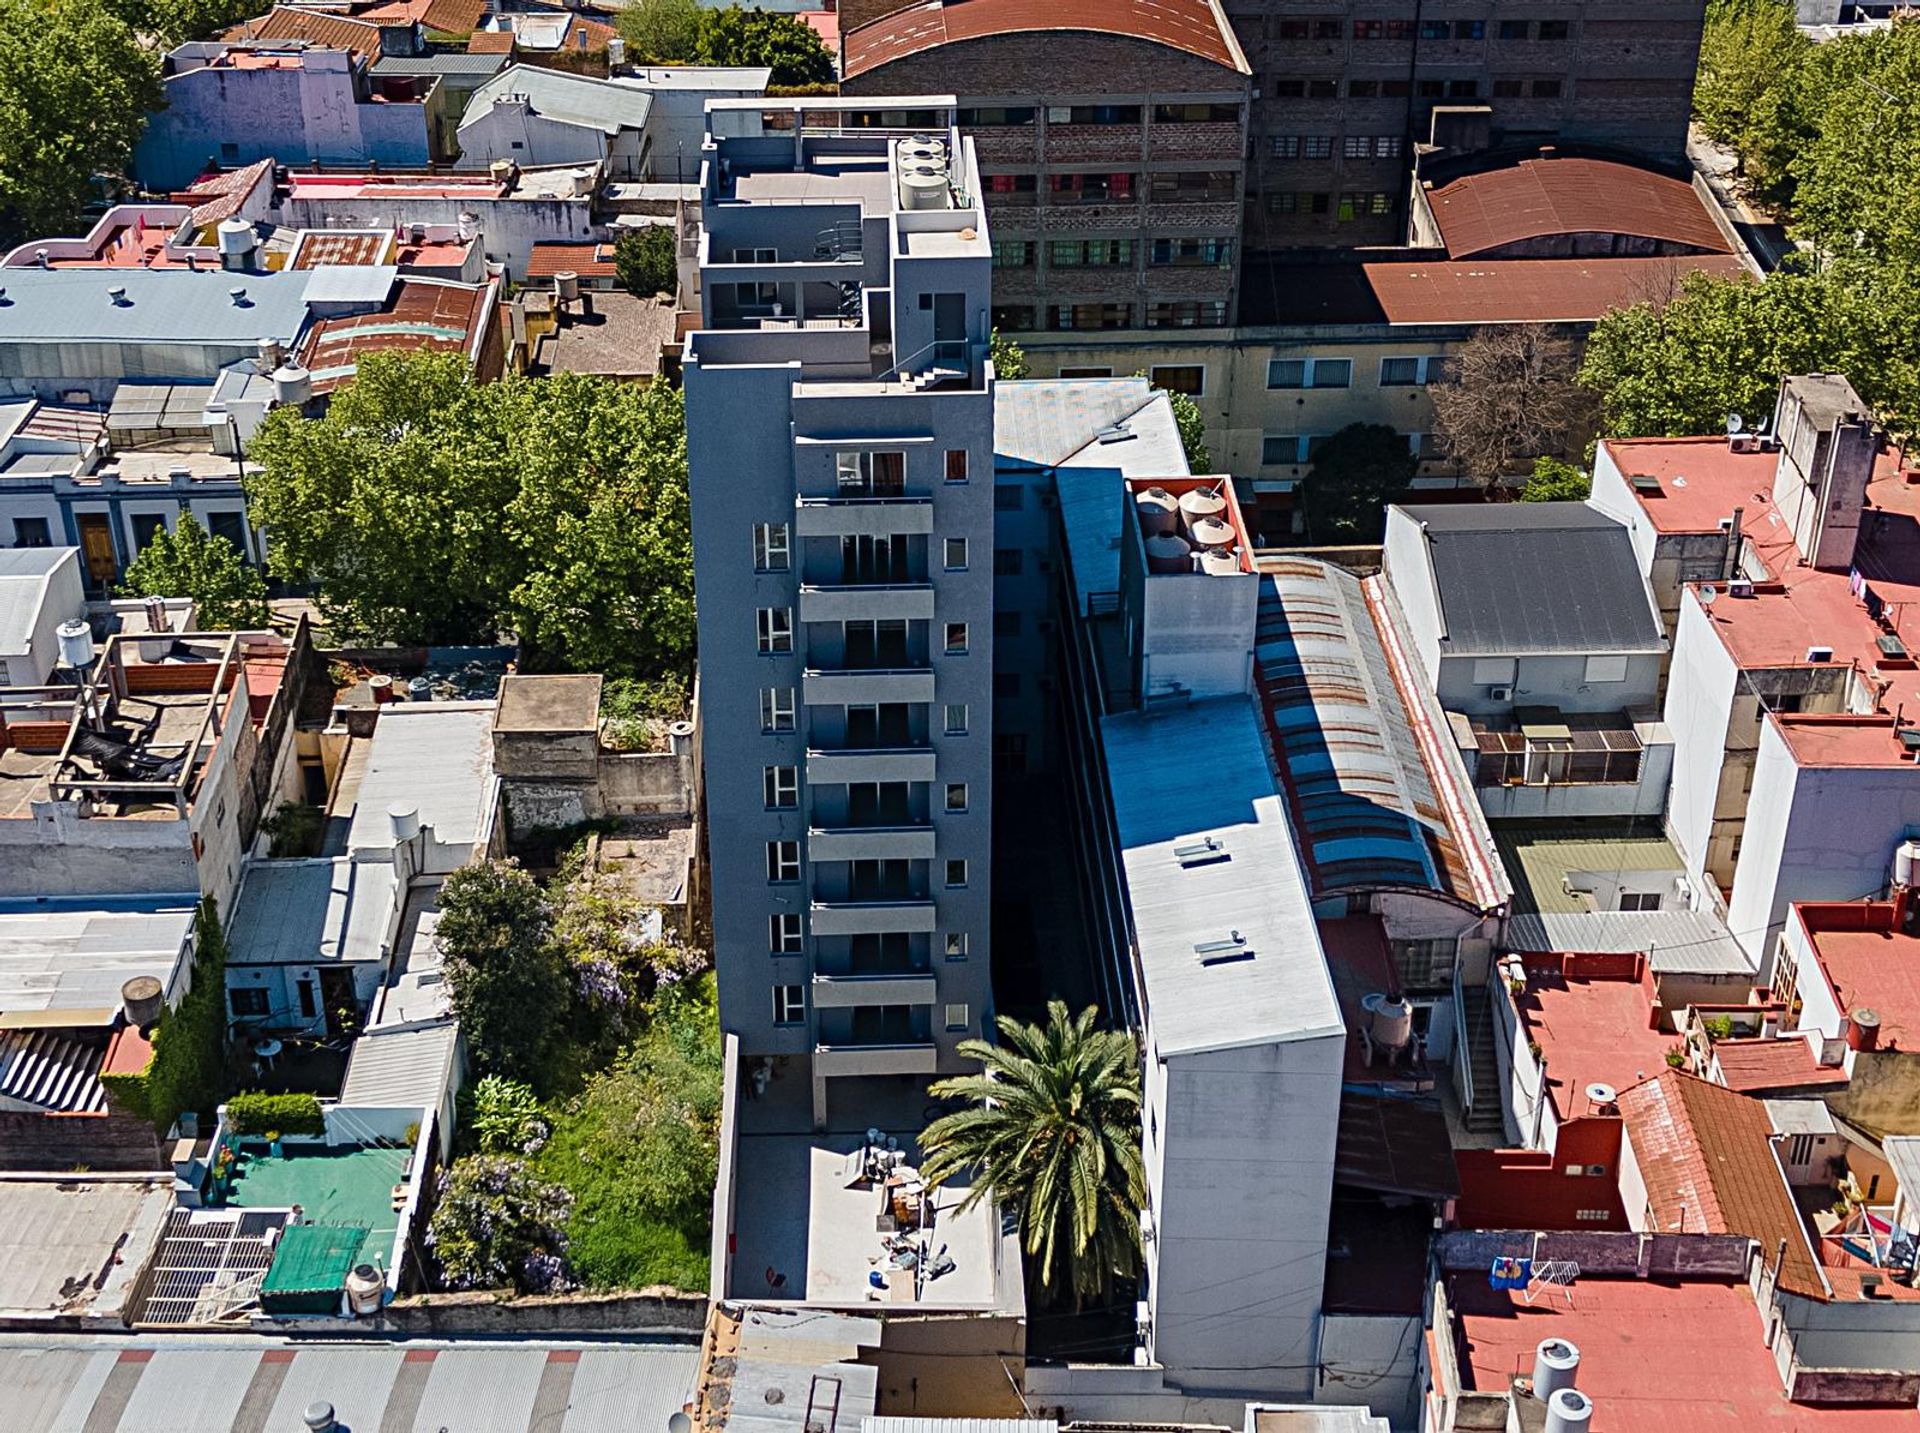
(1111, 137)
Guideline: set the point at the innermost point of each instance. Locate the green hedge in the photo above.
(188, 1067)
(253, 1113)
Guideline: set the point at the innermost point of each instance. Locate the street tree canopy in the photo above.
(190, 562)
(1356, 473)
(75, 88)
(1513, 395)
(430, 509)
(682, 32)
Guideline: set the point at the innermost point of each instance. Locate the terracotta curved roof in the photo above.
(1537, 198)
(333, 32)
(1194, 26)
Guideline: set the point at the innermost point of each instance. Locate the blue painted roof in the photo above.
(160, 306)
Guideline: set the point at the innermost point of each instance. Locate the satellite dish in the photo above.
(1735, 423)
(1602, 1094)
(679, 1423)
(1708, 592)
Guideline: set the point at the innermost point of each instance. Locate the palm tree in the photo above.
(1052, 1132)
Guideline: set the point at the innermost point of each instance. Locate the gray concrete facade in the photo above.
(840, 459)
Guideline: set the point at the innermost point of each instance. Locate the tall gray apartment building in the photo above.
(840, 456)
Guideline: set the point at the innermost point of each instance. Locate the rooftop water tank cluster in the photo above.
(1190, 533)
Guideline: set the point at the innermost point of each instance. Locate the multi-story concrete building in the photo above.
(1111, 139)
(840, 426)
(1347, 88)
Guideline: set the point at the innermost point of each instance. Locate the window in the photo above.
(1546, 89)
(1008, 561)
(1369, 29)
(956, 873)
(776, 708)
(1607, 669)
(1554, 29)
(1310, 373)
(1014, 191)
(990, 116)
(1203, 186)
(1013, 318)
(956, 1017)
(776, 629)
(1066, 317)
(1363, 89)
(956, 945)
(146, 526)
(956, 639)
(781, 787)
(1192, 253)
(783, 861)
(1331, 373)
(955, 554)
(956, 796)
(1469, 29)
(1072, 372)
(1090, 253)
(32, 532)
(1109, 188)
(1009, 497)
(1354, 206)
(1288, 89)
(1010, 753)
(770, 547)
(1506, 89)
(309, 997)
(1187, 378)
(1283, 448)
(1371, 146)
(1323, 89)
(1013, 253)
(1093, 114)
(1399, 372)
(1187, 313)
(1285, 146)
(870, 475)
(1639, 900)
(1514, 29)
(1463, 89)
(247, 1000)
(232, 527)
(1431, 89)
(1196, 114)
(956, 719)
(1316, 146)
(789, 1004)
(1287, 373)
(956, 465)
(1435, 29)
(783, 933)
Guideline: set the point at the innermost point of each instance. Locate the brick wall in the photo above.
(54, 1143)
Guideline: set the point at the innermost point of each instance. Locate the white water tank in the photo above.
(923, 189)
(1906, 863)
(143, 998)
(365, 1288)
(405, 819)
(1220, 561)
(1158, 510)
(1199, 504)
(1168, 553)
(1211, 532)
(271, 352)
(616, 52)
(1389, 1021)
(1555, 1364)
(76, 642)
(292, 385)
(566, 286)
(236, 242)
(1569, 1411)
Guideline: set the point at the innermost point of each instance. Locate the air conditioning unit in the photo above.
(1500, 694)
(1744, 443)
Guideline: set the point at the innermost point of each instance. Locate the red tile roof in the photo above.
(1772, 1066)
(1537, 198)
(1194, 26)
(221, 196)
(589, 261)
(1527, 290)
(490, 42)
(1706, 1155)
(447, 17)
(333, 32)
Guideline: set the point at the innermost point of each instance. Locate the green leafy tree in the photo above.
(499, 1225)
(1356, 473)
(645, 261)
(1051, 1132)
(507, 1118)
(505, 977)
(661, 32)
(1009, 358)
(227, 594)
(790, 47)
(1857, 200)
(426, 508)
(1556, 482)
(1758, 90)
(1193, 432)
(75, 89)
(173, 21)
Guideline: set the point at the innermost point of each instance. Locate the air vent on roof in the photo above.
(1645, 483)
(1204, 852)
(1116, 433)
(1224, 952)
(1890, 646)
(1819, 654)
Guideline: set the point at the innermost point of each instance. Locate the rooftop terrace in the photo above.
(1592, 1018)
(1868, 960)
(345, 1186)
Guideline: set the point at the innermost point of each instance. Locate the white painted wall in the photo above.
(1240, 1171)
(1700, 690)
(61, 600)
(1409, 572)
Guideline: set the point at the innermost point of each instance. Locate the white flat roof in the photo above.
(436, 758)
(26, 576)
(389, 1068)
(1228, 948)
(56, 1233)
(61, 958)
(326, 910)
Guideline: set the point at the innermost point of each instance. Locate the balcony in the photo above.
(912, 915)
(920, 1058)
(863, 517)
(867, 602)
(849, 992)
(871, 843)
(873, 686)
(897, 763)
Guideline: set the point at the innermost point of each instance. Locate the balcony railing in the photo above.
(905, 761)
(863, 517)
(910, 914)
(871, 990)
(866, 601)
(907, 842)
(866, 686)
(909, 1058)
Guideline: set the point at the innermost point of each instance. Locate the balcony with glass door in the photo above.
(864, 577)
(875, 1040)
(881, 968)
(869, 499)
(870, 897)
(863, 662)
(870, 821)
(869, 742)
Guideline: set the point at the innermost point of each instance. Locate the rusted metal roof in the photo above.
(1539, 198)
(423, 314)
(1529, 290)
(1195, 26)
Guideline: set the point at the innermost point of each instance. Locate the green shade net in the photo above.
(310, 1266)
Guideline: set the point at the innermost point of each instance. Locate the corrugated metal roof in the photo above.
(313, 911)
(1902, 1152)
(1536, 577)
(173, 306)
(463, 63)
(1540, 198)
(1550, 863)
(958, 1425)
(568, 99)
(1194, 26)
(48, 1071)
(1364, 802)
(435, 759)
(26, 576)
(401, 1067)
(78, 959)
(1679, 941)
(1180, 777)
(1517, 290)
